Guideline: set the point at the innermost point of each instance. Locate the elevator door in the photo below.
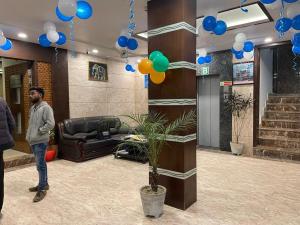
(209, 111)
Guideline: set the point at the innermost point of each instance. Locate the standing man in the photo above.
(40, 123)
(7, 125)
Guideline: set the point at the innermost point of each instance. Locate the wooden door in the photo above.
(16, 88)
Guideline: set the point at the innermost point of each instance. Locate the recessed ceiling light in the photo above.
(268, 40)
(139, 60)
(95, 51)
(22, 35)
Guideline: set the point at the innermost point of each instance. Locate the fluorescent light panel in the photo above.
(235, 17)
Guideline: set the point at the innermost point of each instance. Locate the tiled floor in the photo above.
(231, 191)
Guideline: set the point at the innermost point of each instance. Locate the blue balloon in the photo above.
(208, 59)
(296, 50)
(234, 51)
(283, 25)
(62, 17)
(122, 41)
(43, 40)
(62, 39)
(221, 28)
(290, 1)
(248, 46)
(267, 1)
(239, 55)
(84, 10)
(209, 23)
(296, 22)
(201, 60)
(129, 68)
(132, 44)
(7, 46)
(296, 39)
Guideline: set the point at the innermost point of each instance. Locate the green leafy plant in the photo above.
(52, 137)
(152, 131)
(238, 105)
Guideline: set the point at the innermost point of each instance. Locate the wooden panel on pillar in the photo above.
(177, 95)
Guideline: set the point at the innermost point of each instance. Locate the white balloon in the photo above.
(67, 7)
(202, 52)
(275, 5)
(49, 26)
(238, 46)
(2, 40)
(293, 10)
(240, 37)
(249, 55)
(52, 36)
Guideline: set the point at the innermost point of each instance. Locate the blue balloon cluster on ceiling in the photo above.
(7, 45)
(211, 24)
(84, 11)
(129, 68)
(125, 42)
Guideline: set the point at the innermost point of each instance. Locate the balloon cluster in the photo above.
(125, 42)
(203, 57)
(156, 66)
(5, 44)
(242, 48)
(211, 24)
(67, 9)
(51, 36)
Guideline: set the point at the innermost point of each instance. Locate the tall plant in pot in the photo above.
(238, 105)
(152, 132)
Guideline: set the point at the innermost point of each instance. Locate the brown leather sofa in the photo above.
(87, 138)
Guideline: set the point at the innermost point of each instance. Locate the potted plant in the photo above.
(52, 148)
(238, 105)
(152, 131)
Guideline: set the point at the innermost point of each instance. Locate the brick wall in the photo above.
(44, 76)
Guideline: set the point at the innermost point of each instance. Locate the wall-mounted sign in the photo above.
(225, 83)
(204, 71)
(98, 71)
(243, 73)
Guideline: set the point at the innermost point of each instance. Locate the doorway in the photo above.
(15, 79)
(208, 110)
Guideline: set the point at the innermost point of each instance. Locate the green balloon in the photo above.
(161, 63)
(155, 54)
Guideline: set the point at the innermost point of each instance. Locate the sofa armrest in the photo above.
(71, 137)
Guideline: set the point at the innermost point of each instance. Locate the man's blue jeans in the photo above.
(39, 151)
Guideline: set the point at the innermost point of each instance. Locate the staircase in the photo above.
(279, 133)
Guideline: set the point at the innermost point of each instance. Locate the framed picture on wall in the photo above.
(98, 71)
(243, 73)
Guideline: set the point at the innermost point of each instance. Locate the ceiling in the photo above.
(110, 17)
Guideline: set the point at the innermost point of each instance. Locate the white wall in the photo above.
(123, 94)
(266, 78)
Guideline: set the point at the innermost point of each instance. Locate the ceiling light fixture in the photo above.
(268, 40)
(22, 35)
(95, 51)
(139, 60)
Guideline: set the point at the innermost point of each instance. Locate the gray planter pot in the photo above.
(153, 203)
(236, 148)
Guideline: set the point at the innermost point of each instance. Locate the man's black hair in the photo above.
(39, 90)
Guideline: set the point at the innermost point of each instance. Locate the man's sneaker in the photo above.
(36, 189)
(40, 195)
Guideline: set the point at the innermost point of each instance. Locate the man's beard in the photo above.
(35, 100)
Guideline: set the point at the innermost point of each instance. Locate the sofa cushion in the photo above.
(75, 126)
(92, 125)
(89, 135)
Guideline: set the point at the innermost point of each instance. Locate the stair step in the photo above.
(279, 132)
(284, 99)
(272, 123)
(286, 115)
(275, 152)
(291, 107)
(281, 142)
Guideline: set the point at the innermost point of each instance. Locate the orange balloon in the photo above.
(145, 66)
(157, 77)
